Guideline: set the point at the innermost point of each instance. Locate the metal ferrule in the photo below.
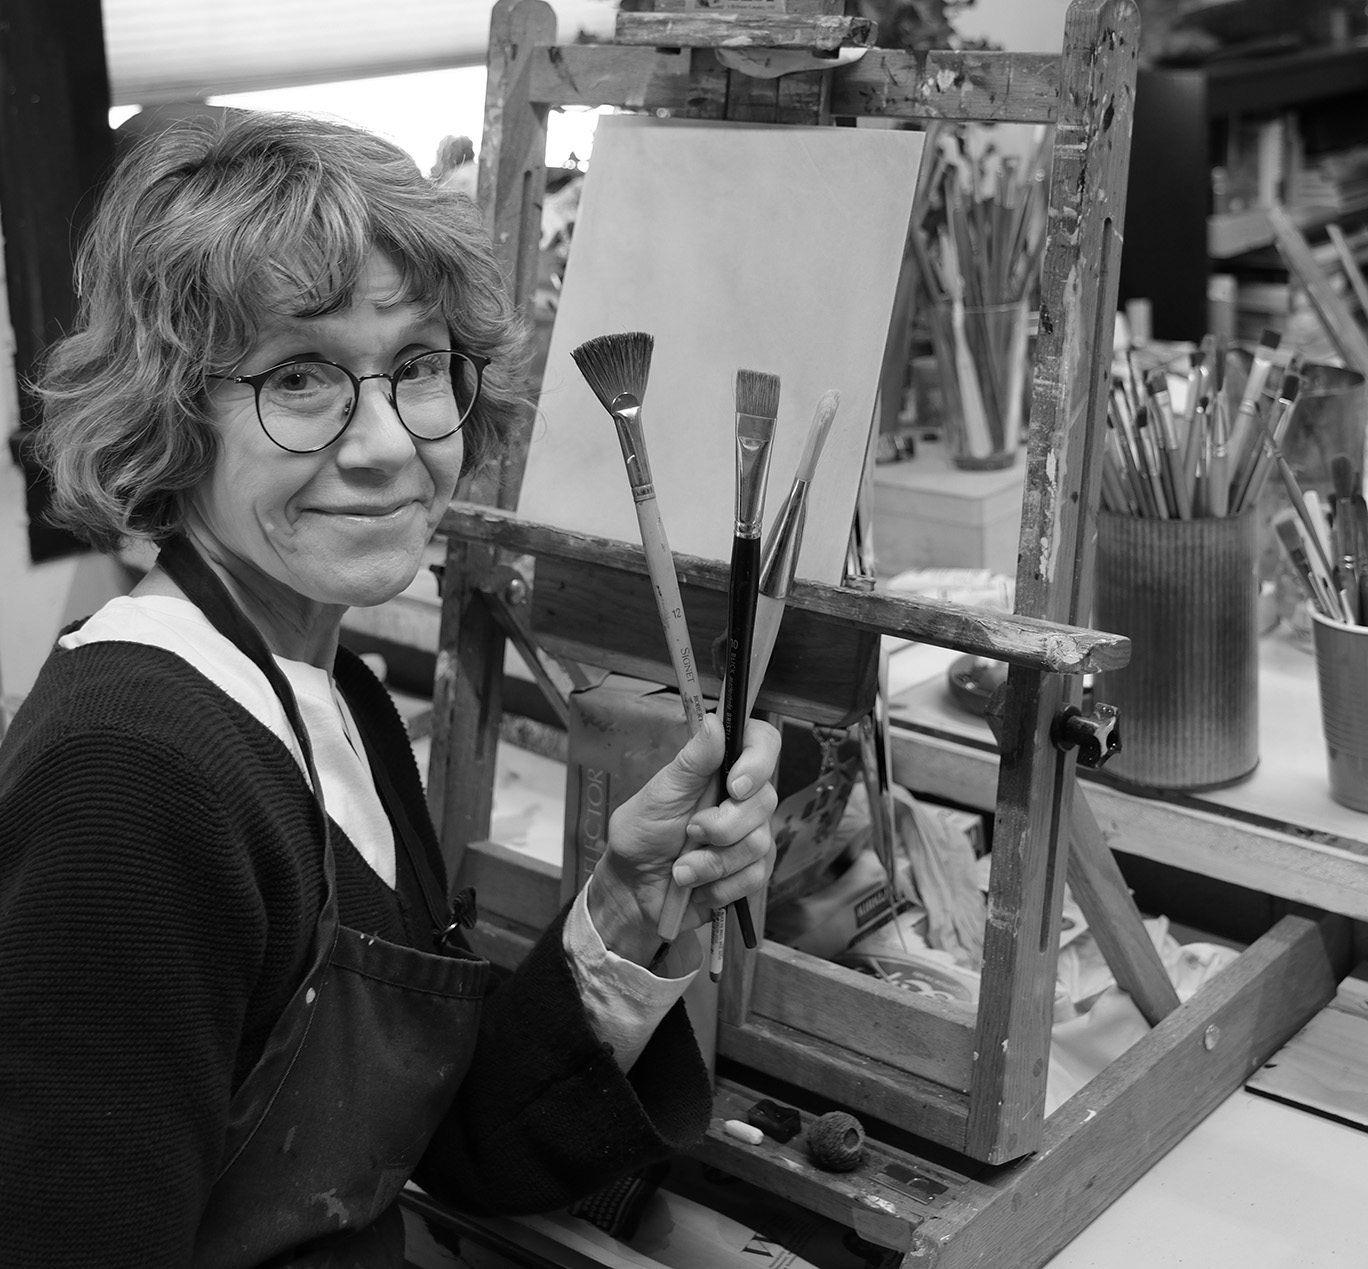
(780, 564)
(753, 435)
(627, 419)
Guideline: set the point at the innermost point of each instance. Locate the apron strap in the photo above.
(447, 918)
(203, 587)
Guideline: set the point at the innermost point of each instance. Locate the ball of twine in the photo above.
(836, 1141)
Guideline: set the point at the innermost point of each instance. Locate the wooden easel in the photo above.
(1017, 1185)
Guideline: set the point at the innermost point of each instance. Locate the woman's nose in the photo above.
(376, 437)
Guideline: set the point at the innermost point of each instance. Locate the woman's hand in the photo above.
(722, 850)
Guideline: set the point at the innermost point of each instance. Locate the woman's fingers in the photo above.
(758, 760)
(730, 849)
(727, 839)
(736, 883)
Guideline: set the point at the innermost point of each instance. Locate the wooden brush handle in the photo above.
(677, 897)
(670, 606)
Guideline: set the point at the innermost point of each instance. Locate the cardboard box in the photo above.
(828, 921)
(929, 513)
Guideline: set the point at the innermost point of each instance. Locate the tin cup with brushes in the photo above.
(1186, 594)
(1341, 650)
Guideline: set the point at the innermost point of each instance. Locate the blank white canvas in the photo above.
(765, 247)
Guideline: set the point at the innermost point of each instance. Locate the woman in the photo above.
(233, 1020)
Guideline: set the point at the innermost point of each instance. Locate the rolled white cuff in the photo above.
(624, 1000)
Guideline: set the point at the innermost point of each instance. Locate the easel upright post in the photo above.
(467, 698)
(1072, 370)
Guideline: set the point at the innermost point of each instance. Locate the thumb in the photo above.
(685, 776)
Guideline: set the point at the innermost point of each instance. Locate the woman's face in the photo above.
(346, 525)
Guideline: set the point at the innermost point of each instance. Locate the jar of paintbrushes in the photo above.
(1184, 460)
(978, 252)
(981, 358)
(1325, 546)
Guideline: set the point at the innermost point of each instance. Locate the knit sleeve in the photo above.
(130, 936)
(545, 1115)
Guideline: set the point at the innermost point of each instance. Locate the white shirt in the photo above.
(624, 1001)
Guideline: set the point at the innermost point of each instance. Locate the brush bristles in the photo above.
(757, 393)
(616, 364)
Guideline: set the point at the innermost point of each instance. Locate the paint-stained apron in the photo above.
(363, 1063)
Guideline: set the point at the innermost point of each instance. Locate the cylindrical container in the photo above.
(1185, 592)
(1342, 672)
(983, 358)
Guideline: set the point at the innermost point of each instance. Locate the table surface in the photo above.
(1255, 1185)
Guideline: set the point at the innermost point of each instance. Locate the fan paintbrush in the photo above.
(616, 368)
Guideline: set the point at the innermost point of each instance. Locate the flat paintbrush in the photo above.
(1176, 487)
(1307, 508)
(1244, 430)
(1270, 434)
(778, 564)
(1292, 542)
(779, 561)
(1342, 533)
(757, 406)
(616, 368)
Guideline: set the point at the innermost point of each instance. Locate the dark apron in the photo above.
(363, 1063)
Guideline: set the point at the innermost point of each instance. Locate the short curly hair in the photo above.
(204, 231)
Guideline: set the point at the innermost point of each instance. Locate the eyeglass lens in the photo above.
(305, 405)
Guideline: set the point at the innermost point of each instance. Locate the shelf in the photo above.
(1231, 234)
(1267, 84)
(1172, 241)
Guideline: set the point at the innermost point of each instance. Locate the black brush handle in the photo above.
(743, 590)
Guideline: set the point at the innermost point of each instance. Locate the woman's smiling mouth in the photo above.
(373, 511)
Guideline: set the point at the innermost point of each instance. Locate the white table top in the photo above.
(1256, 1185)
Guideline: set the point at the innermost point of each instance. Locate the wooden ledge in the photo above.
(1025, 641)
(711, 29)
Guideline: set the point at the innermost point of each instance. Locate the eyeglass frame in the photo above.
(255, 382)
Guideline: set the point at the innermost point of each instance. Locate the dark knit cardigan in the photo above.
(160, 880)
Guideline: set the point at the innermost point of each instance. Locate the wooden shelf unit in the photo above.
(1181, 117)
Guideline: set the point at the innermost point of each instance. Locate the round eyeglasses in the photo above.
(304, 406)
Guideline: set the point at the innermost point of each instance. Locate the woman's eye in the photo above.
(303, 378)
(423, 367)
